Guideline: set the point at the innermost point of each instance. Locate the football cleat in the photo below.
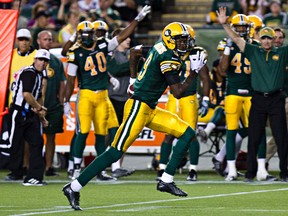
(192, 175)
(103, 176)
(218, 166)
(265, 177)
(231, 178)
(248, 180)
(203, 135)
(122, 172)
(73, 197)
(170, 188)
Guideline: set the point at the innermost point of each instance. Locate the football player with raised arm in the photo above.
(236, 67)
(160, 70)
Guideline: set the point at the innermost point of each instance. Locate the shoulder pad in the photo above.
(160, 48)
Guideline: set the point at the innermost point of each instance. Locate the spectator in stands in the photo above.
(276, 17)
(233, 8)
(254, 7)
(38, 7)
(42, 23)
(22, 20)
(54, 98)
(107, 14)
(87, 5)
(127, 9)
(67, 31)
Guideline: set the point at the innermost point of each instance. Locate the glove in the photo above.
(68, 110)
(130, 90)
(203, 110)
(142, 14)
(73, 37)
(229, 42)
(115, 83)
(197, 61)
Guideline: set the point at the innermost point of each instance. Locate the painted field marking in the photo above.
(153, 202)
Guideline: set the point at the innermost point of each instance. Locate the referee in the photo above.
(268, 74)
(25, 115)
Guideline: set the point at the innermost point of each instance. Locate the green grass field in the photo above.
(137, 195)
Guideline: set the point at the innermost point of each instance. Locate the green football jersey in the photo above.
(151, 82)
(92, 68)
(238, 73)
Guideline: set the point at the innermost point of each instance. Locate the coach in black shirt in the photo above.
(25, 116)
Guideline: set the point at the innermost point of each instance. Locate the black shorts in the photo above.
(55, 119)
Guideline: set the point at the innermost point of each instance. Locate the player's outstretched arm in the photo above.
(132, 26)
(221, 13)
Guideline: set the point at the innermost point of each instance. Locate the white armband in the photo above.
(113, 43)
(226, 51)
(72, 69)
(206, 98)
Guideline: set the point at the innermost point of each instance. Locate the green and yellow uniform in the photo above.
(141, 111)
(92, 77)
(187, 109)
(238, 96)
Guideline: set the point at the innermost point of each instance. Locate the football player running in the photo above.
(187, 109)
(160, 69)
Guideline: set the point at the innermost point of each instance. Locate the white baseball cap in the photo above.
(25, 33)
(42, 53)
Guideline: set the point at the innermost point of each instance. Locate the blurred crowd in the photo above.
(61, 17)
(273, 12)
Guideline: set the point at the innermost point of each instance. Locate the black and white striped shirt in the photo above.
(27, 80)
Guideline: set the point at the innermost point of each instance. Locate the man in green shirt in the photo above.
(268, 65)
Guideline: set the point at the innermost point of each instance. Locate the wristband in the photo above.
(206, 98)
(226, 51)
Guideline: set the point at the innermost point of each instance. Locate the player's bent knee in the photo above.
(188, 134)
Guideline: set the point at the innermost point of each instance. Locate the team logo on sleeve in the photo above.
(50, 72)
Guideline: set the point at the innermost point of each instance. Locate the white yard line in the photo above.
(152, 202)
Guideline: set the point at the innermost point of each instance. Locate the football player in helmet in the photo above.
(187, 108)
(86, 34)
(236, 67)
(240, 23)
(88, 62)
(256, 25)
(101, 28)
(176, 37)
